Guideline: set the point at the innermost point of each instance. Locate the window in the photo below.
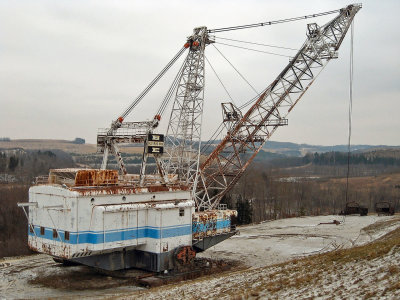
(41, 230)
(66, 235)
(181, 212)
(55, 235)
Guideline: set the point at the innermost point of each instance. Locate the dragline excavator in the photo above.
(248, 131)
(163, 216)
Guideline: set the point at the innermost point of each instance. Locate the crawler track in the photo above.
(38, 276)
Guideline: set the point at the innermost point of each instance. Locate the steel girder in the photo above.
(225, 165)
(183, 136)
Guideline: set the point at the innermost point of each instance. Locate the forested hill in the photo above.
(387, 157)
(19, 165)
(292, 149)
(77, 147)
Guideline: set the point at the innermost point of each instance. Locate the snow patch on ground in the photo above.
(259, 247)
(277, 241)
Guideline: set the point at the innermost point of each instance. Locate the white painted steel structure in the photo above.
(100, 219)
(154, 222)
(184, 128)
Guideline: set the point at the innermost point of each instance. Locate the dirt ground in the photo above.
(263, 250)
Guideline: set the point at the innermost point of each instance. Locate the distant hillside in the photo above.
(382, 157)
(292, 149)
(287, 149)
(281, 149)
(64, 145)
(39, 144)
(21, 166)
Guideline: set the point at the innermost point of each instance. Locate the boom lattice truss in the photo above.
(184, 130)
(248, 133)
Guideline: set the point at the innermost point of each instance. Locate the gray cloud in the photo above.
(69, 67)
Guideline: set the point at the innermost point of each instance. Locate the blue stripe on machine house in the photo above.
(99, 237)
(210, 225)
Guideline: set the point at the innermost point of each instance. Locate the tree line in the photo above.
(342, 158)
(273, 193)
(23, 166)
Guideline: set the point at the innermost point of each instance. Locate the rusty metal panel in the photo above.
(126, 190)
(211, 222)
(96, 177)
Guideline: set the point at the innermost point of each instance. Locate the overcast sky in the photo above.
(70, 67)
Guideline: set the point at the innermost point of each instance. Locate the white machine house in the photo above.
(160, 218)
(92, 217)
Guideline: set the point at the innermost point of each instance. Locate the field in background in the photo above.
(64, 145)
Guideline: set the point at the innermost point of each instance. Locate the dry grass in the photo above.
(377, 226)
(39, 144)
(363, 183)
(311, 270)
(339, 273)
(63, 145)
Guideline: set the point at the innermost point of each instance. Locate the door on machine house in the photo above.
(120, 228)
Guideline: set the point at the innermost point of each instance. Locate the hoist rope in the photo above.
(171, 90)
(351, 73)
(219, 79)
(257, 44)
(251, 101)
(272, 22)
(255, 50)
(237, 71)
(152, 83)
(212, 139)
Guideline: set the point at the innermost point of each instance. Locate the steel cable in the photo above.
(212, 139)
(255, 50)
(219, 79)
(272, 22)
(351, 73)
(152, 83)
(258, 44)
(240, 74)
(170, 92)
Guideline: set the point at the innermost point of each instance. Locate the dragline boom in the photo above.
(248, 132)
